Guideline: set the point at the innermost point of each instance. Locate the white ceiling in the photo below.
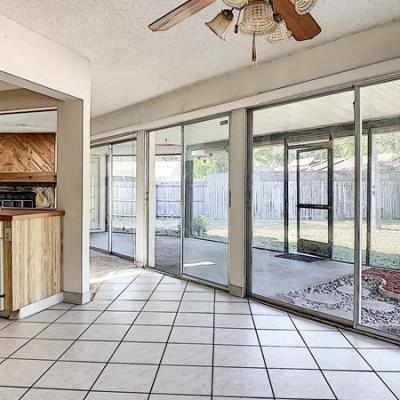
(45, 121)
(132, 64)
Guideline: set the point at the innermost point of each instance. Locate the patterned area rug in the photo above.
(103, 266)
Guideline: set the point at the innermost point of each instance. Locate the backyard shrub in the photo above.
(199, 227)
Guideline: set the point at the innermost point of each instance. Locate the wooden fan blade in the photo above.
(179, 14)
(303, 27)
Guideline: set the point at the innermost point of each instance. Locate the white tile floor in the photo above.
(151, 337)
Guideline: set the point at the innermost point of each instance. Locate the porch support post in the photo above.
(358, 200)
(238, 197)
(151, 196)
(141, 200)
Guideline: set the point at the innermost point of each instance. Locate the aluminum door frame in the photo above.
(328, 207)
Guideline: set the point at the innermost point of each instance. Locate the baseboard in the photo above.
(76, 298)
(34, 308)
(236, 291)
(140, 264)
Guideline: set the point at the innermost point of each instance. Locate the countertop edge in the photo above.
(18, 214)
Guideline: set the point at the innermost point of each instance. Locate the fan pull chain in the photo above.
(254, 52)
(237, 21)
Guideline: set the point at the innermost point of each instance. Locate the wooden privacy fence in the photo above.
(210, 197)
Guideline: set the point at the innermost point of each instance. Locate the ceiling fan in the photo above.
(275, 20)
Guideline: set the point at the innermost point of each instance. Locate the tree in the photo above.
(215, 162)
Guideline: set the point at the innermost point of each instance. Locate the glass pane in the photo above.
(343, 241)
(299, 274)
(207, 200)
(313, 172)
(314, 225)
(268, 199)
(167, 188)
(99, 229)
(380, 305)
(124, 198)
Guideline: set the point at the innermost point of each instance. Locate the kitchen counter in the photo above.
(10, 214)
(30, 255)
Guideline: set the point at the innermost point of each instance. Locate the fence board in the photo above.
(210, 197)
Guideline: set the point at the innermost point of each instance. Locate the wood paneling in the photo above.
(33, 260)
(35, 177)
(27, 157)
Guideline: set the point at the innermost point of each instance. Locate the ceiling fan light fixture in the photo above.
(304, 6)
(236, 3)
(281, 33)
(220, 23)
(257, 18)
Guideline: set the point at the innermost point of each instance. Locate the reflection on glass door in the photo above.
(206, 235)
(99, 227)
(124, 198)
(380, 297)
(166, 189)
(295, 196)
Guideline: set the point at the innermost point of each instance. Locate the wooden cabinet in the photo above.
(32, 256)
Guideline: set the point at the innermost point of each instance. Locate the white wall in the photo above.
(33, 62)
(246, 87)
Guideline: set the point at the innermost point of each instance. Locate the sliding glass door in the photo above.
(113, 198)
(165, 199)
(380, 297)
(325, 215)
(189, 200)
(123, 169)
(303, 204)
(206, 194)
(99, 197)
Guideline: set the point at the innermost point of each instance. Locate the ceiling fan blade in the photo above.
(303, 27)
(179, 14)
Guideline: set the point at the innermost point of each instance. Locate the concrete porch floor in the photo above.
(208, 260)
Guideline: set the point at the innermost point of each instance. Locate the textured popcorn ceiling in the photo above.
(132, 64)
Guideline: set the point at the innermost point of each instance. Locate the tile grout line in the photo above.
(171, 328)
(261, 349)
(312, 355)
(77, 339)
(372, 368)
(29, 341)
(123, 337)
(213, 348)
(166, 343)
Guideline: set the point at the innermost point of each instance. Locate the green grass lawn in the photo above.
(385, 242)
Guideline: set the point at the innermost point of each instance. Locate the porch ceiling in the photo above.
(378, 101)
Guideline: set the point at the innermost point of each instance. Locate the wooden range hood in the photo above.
(27, 158)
